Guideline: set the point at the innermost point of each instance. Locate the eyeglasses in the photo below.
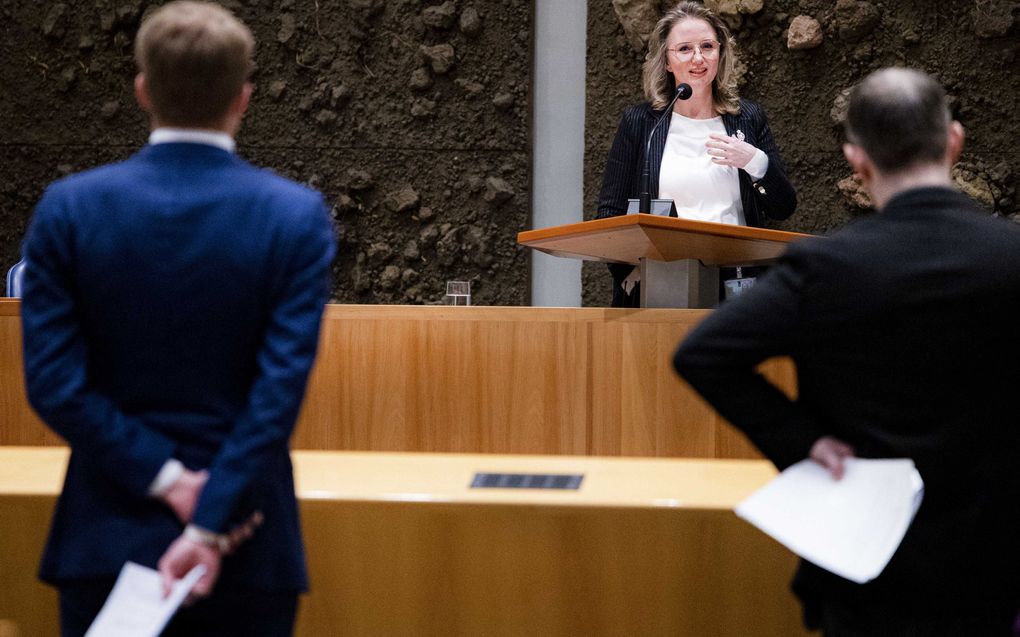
(685, 50)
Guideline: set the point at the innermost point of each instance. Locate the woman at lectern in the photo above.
(712, 154)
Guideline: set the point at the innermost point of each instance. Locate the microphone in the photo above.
(683, 92)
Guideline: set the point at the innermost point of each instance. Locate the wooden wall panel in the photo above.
(18, 423)
(586, 381)
(640, 407)
(495, 380)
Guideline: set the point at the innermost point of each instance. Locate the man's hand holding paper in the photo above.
(850, 527)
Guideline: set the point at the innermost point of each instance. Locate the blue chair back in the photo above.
(14, 277)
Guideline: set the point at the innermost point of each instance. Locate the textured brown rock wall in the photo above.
(971, 46)
(412, 117)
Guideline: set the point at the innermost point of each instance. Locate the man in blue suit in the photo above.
(171, 314)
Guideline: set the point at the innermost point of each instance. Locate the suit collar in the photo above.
(187, 152)
(926, 197)
(169, 135)
(731, 123)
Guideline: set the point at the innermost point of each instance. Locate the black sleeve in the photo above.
(719, 360)
(775, 193)
(623, 161)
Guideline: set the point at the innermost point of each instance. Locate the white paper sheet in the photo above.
(136, 606)
(850, 527)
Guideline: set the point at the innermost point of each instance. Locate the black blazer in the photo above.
(771, 197)
(622, 178)
(903, 328)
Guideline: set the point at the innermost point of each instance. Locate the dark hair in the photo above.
(658, 82)
(196, 57)
(900, 118)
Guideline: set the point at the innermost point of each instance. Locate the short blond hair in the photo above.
(658, 82)
(196, 57)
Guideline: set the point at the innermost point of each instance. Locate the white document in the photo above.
(136, 606)
(850, 527)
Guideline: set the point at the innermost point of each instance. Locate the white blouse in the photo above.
(702, 190)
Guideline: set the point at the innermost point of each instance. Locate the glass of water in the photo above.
(458, 293)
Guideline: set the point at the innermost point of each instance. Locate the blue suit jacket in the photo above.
(171, 309)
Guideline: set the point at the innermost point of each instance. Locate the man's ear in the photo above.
(859, 161)
(954, 142)
(241, 102)
(142, 93)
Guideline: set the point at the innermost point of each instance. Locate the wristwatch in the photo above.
(201, 536)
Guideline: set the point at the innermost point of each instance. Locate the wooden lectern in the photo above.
(679, 258)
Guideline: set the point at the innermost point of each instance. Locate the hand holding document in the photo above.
(850, 527)
(136, 606)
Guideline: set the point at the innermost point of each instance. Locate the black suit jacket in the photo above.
(771, 197)
(903, 328)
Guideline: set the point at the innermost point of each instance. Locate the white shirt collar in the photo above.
(192, 136)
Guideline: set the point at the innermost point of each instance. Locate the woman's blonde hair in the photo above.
(658, 82)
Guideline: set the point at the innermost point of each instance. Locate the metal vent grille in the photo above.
(527, 481)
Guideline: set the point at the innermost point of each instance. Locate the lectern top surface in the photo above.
(629, 238)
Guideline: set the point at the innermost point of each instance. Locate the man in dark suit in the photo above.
(903, 331)
(171, 313)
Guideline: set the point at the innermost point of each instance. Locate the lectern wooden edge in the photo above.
(679, 258)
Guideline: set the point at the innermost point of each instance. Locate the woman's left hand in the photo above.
(729, 151)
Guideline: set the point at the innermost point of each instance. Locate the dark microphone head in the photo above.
(684, 91)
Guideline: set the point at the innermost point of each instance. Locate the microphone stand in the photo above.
(683, 92)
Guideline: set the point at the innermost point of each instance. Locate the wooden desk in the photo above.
(397, 545)
(587, 381)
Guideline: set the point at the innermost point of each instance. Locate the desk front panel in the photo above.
(586, 381)
(398, 544)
